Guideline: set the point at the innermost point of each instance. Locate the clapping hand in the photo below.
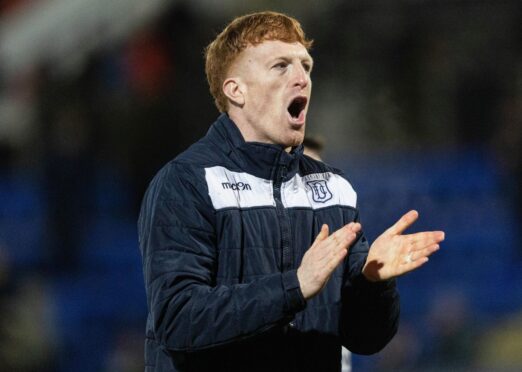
(394, 254)
(325, 254)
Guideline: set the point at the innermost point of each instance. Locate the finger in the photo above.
(335, 260)
(403, 223)
(340, 241)
(329, 250)
(335, 238)
(428, 251)
(423, 239)
(355, 227)
(413, 265)
(336, 243)
(323, 234)
(346, 234)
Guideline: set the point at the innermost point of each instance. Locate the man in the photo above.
(253, 254)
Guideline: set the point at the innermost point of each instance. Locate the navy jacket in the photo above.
(223, 229)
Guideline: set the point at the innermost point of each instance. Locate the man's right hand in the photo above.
(325, 254)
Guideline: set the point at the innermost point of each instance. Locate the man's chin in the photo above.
(295, 140)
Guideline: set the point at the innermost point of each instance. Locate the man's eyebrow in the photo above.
(287, 58)
(278, 58)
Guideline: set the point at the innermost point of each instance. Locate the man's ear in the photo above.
(234, 89)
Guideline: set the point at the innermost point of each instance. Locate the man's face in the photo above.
(276, 86)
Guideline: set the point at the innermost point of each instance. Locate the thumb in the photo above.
(323, 234)
(403, 223)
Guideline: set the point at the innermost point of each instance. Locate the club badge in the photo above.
(320, 191)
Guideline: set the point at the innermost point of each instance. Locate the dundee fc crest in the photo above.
(320, 191)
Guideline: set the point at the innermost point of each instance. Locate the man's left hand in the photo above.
(394, 254)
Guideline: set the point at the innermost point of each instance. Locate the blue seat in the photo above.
(22, 220)
(110, 243)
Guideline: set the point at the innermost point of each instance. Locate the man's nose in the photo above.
(301, 77)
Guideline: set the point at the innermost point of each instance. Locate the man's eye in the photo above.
(307, 67)
(281, 65)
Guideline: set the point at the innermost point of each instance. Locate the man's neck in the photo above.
(246, 129)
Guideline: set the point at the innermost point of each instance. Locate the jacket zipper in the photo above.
(284, 221)
(286, 253)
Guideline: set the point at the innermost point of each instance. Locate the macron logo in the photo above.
(228, 189)
(236, 186)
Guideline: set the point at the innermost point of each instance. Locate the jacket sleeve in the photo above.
(188, 310)
(370, 311)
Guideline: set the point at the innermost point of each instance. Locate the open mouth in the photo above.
(297, 105)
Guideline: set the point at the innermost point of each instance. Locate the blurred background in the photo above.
(418, 101)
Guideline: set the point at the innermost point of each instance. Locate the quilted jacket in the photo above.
(223, 228)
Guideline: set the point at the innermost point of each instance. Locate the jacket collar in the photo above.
(258, 159)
